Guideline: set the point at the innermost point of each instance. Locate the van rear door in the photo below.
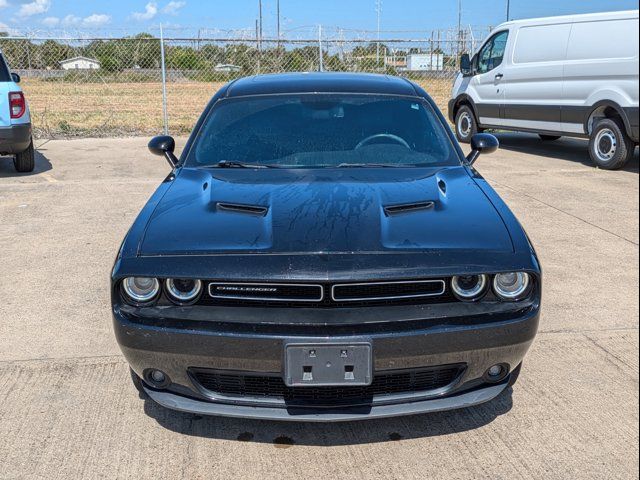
(534, 74)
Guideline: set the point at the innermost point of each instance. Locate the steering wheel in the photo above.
(390, 136)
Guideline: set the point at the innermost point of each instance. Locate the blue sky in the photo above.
(397, 15)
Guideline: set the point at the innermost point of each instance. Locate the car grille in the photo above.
(387, 290)
(261, 292)
(242, 385)
(328, 295)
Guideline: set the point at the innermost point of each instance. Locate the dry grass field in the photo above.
(109, 109)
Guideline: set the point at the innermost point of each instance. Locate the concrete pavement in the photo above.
(68, 409)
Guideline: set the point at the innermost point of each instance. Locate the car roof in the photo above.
(321, 82)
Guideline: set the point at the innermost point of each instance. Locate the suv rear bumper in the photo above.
(15, 139)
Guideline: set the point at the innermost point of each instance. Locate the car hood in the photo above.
(345, 210)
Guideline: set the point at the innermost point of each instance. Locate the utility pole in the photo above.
(260, 22)
(379, 12)
(508, 10)
(278, 13)
(459, 32)
(320, 53)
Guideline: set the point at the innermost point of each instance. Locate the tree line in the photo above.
(142, 51)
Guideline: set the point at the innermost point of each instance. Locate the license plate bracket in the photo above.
(328, 365)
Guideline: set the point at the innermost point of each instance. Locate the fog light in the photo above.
(496, 373)
(157, 376)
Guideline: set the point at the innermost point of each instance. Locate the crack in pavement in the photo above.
(542, 202)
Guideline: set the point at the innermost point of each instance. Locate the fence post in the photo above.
(321, 63)
(165, 112)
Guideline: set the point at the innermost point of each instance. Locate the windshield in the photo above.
(319, 131)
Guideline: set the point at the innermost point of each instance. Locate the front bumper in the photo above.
(344, 414)
(176, 347)
(15, 139)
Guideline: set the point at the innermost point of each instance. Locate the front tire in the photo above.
(24, 162)
(466, 124)
(609, 146)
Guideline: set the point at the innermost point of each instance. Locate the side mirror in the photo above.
(164, 146)
(15, 77)
(482, 143)
(465, 65)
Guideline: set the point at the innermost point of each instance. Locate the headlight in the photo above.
(511, 286)
(183, 290)
(141, 289)
(469, 287)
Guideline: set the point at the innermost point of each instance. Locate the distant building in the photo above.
(423, 62)
(80, 63)
(227, 68)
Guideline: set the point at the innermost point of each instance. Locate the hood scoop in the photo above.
(390, 210)
(239, 208)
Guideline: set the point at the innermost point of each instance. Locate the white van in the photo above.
(562, 76)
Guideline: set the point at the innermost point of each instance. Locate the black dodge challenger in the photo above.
(322, 250)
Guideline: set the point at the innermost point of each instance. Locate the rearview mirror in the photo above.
(482, 143)
(15, 77)
(465, 64)
(164, 146)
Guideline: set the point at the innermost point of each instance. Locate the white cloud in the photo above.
(71, 20)
(51, 21)
(4, 4)
(96, 20)
(172, 7)
(4, 28)
(150, 11)
(92, 21)
(35, 7)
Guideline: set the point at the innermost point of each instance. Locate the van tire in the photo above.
(24, 162)
(549, 138)
(466, 124)
(609, 146)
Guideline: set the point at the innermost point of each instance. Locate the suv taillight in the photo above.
(17, 104)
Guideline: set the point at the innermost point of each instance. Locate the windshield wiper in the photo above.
(234, 164)
(372, 165)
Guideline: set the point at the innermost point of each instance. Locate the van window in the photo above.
(5, 76)
(606, 39)
(492, 53)
(541, 43)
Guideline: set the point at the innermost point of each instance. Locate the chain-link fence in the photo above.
(114, 86)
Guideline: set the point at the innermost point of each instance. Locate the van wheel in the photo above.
(609, 146)
(24, 162)
(549, 138)
(466, 125)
